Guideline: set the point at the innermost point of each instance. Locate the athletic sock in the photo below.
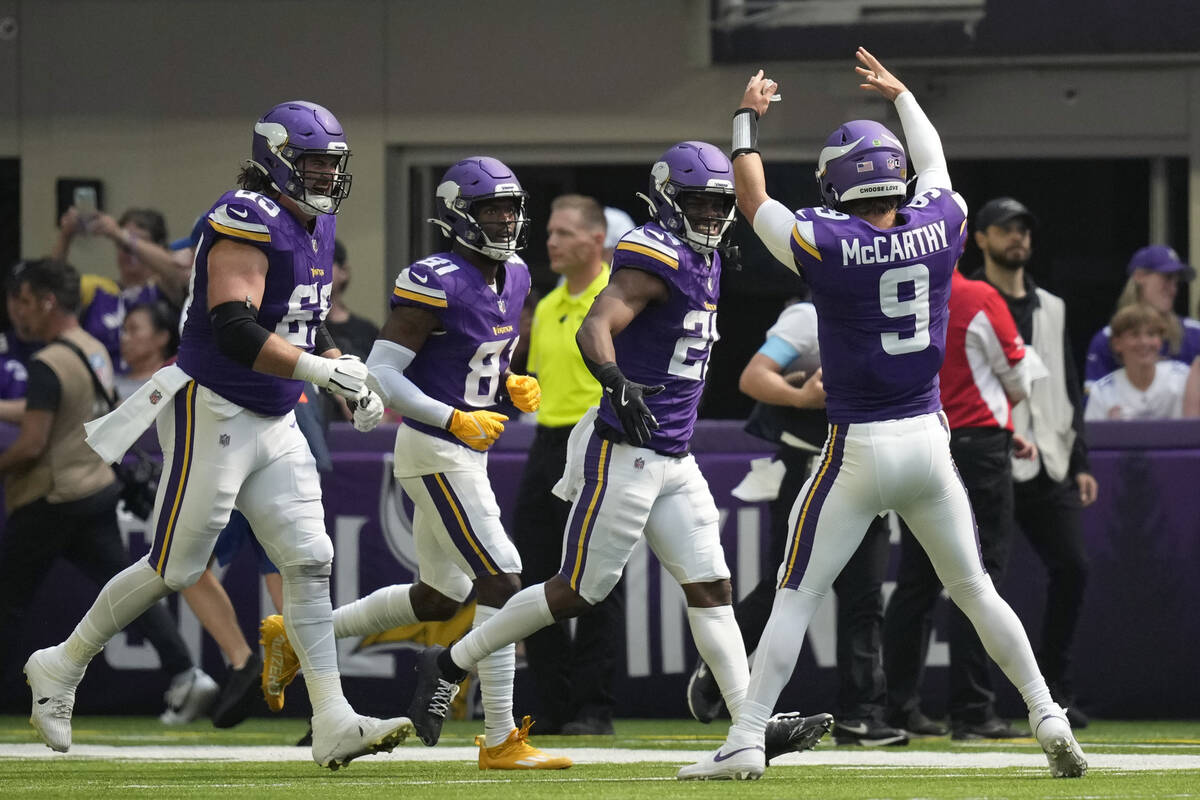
(719, 642)
(381, 610)
(123, 599)
(525, 613)
(308, 617)
(496, 673)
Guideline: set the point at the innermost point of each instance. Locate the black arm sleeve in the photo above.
(239, 336)
(323, 341)
(45, 390)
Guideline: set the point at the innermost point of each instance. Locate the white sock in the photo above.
(381, 610)
(774, 661)
(308, 618)
(719, 641)
(526, 612)
(496, 673)
(123, 599)
(1002, 636)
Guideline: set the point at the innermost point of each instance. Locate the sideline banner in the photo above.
(1143, 540)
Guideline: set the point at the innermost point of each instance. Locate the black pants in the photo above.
(982, 458)
(861, 692)
(574, 676)
(1047, 512)
(84, 532)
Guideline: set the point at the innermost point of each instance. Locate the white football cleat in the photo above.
(727, 764)
(1053, 732)
(53, 701)
(189, 696)
(340, 737)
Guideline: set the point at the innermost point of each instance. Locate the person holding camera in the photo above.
(60, 496)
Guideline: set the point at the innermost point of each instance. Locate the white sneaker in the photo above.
(339, 739)
(53, 701)
(190, 695)
(737, 764)
(1053, 732)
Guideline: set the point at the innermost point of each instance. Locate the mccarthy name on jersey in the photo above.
(903, 246)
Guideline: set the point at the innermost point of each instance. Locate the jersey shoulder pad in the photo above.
(92, 285)
(517, 272)
(244, 216)
(650, 248)
(423, 283)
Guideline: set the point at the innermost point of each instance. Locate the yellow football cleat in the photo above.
(517, 753)
(280, 664)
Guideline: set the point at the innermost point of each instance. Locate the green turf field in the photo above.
(1128, 760)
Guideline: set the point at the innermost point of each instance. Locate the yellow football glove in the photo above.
(525, 392)
(478, 430)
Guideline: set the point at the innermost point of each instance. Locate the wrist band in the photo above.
(745, 132)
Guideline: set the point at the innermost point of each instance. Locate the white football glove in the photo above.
(343, 375)
(368, 410)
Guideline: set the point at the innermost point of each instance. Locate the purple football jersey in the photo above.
(14, 379)
(462, 364)
(104, 312)
(295, 300)
(668, 343)
(881, 300)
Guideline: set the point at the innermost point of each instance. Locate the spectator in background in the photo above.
(617, 224)
(354, 335)
(784, 376)
(1146, 387)
(60, 495)
(987, 368)
(1051, 487)
(145, 270)
(573, 674)
(149, 338)
(1191, 395)
(1155, 273)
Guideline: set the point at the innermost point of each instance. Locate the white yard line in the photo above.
(860, 759)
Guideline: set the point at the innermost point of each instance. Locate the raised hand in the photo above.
(758, 93)
(877, 78)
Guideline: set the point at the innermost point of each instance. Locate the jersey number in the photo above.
(304, 314)
(265, 203)
(916, 307)
(485, 372)
(690, 359)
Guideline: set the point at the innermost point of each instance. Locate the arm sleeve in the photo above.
(387, 363)
(924, 145)
(45, 390)
(778, 351)
(773, 223)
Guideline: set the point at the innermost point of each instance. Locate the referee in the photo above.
(573, 675)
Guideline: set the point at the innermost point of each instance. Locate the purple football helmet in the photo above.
(692, 168)
(472, 181)
(861, 159)
(284, 137)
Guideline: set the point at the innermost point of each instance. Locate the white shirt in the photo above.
(1114, 397)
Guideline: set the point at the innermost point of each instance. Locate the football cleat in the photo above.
(53, 701)
(431, 697)
(280, 664)
(868, 733)
(703, 695)
(727, 764)
(516, 752)
(793, 733)
(239, 695)
(338, 740)
(1053, 733)
(191, 693)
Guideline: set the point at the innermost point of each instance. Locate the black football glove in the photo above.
(626, 397)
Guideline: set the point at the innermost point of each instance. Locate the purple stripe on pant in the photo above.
(586, 510)
(181, 460)
(458, 524)
(800, 546)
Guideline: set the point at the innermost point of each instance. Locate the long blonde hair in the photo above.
(1173, 328)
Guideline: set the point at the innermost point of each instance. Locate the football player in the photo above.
(879, 269)
(252, 334)
(647, 339)
(442, 362)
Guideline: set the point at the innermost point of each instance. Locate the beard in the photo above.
(1012, 258)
